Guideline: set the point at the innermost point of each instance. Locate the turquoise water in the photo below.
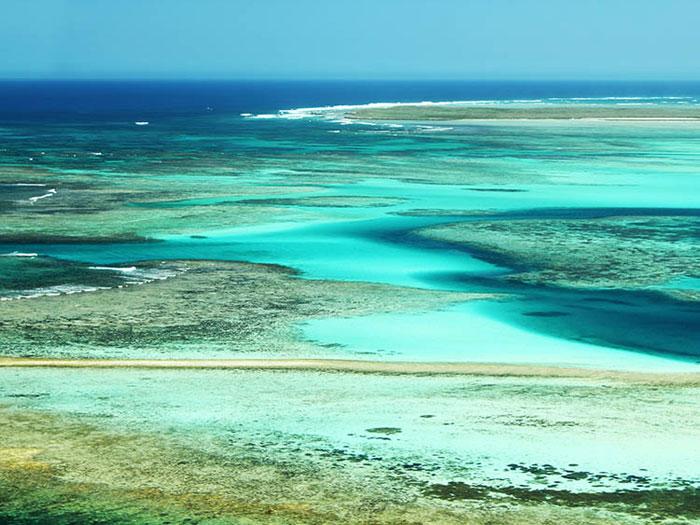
(471, 332)
(509, 171)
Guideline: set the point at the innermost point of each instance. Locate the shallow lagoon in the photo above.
(472, 333)
(506, 171)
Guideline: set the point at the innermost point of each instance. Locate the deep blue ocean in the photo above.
(154, 97)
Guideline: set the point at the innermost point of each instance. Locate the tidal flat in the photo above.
(200, 445)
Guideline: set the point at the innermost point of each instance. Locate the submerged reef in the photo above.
(615, 252)
(354, 201)
(86, 205)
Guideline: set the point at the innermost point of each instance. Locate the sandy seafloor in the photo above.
(301, 317)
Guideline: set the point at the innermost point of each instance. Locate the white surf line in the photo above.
(52, 291)
(67, 289)
(51, 192)
(331, 111)
(128, 269)
(19, 254)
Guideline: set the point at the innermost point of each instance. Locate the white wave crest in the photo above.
(113, 268)
(61, 289)
(19, 254)
(338, 111)
(50, 193)
(131, 276)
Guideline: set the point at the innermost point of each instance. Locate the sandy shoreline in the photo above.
(377, 367)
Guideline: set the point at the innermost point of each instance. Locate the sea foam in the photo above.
(337, 112)
(19, 254)
(50, 193)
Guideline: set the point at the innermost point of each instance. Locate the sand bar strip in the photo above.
(380, 367)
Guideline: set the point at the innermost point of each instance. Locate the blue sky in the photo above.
(467, 39)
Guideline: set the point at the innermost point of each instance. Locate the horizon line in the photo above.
(342, 79)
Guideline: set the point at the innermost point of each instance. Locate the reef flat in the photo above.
(452, 112)
(175, 445)
(200, 309)
(81, 208)
(615, 252)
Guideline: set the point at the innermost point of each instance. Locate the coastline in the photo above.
(370, 367)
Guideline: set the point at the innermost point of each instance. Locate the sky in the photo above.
(339, 39)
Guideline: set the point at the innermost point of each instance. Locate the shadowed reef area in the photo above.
(613, 252)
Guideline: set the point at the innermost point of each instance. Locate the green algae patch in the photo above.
(30, 495)
(386, 431)
(657, 504)
(616, 252)
(197, 309)
(87, 475)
